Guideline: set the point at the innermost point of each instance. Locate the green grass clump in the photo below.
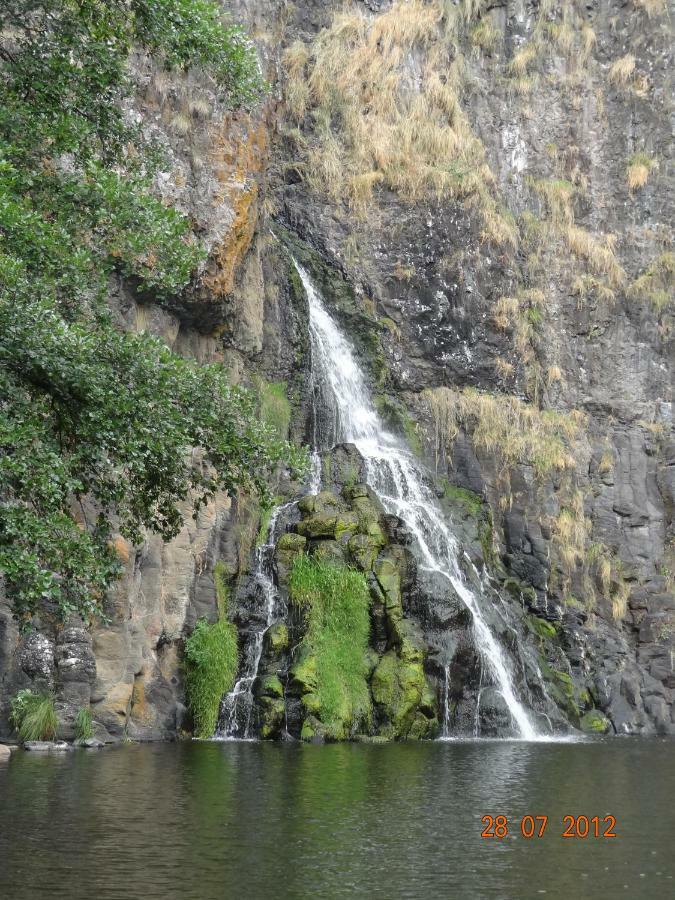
(275, 407)
(83, 724)
(336, 604)
(211, 661)
(34, 716)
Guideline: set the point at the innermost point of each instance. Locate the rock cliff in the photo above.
(483, 192)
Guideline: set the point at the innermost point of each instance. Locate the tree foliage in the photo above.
(97, 426)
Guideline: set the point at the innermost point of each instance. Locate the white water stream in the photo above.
(396, 477)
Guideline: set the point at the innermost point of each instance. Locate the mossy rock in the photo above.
(388, 575)
(594, 722)
(423, 728)
(397, 687)
(542, 628)
(346, 524)
(318, 525)
(519, 589)
(272, 716)
(271, 686)
(363, 550)
(323, 502)
(303, 675)
(288, 548)
(429, 701)
(356, 492)
(370, 739)
(470, 503)
(565, 682)
(408, 640)
(312, 703)
(328, 551)
(276, 639)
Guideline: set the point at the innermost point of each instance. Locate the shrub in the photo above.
(83, 724)
(335, 600)
(211, 661)
(34, 716)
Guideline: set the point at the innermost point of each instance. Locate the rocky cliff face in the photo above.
(483, 192)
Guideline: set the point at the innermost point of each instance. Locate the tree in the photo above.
(91, 417)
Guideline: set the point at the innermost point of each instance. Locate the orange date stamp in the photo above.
(497, 827)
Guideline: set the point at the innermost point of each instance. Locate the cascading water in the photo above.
(237, 706)
(396, 478)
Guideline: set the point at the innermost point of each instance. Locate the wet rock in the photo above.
(5, 753)
(276, 639)
(46, 746)
(594, 722)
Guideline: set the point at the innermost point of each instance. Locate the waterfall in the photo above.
(236, 707)
(397, 479)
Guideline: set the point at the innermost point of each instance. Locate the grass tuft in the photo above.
(83, 724)
(639, 168)
(211, 661)
(620, 72)
(335, 601)
(34, 716)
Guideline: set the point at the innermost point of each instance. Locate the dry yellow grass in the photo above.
(503, 367)
(569, 533)
(652, 7)
(370, 124)
(656, 284)
(503, 425)
(553, 374)
(484, 36)
(597, 252)
(639, 168)
(522, 60)
(558, 196)
(620, 72)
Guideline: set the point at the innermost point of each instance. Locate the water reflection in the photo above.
(219, 820)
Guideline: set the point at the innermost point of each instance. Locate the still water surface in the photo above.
(246, 820)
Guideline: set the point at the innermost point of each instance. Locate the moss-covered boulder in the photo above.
(397, 687)
(363, 550)
(272, 716)
(388, 576)
(321, 503)
(288, 548)
(303, 674)
(594, 722)
(276, 639)
(327, 551)
(271, 686)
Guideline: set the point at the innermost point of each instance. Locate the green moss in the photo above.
(594, 722)
(470, 502)
(34, 716)
(332, 666)
(211, 661)
(271, 686)
(398, 687)
(276, 638)
(275, 407)
(541, 627)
